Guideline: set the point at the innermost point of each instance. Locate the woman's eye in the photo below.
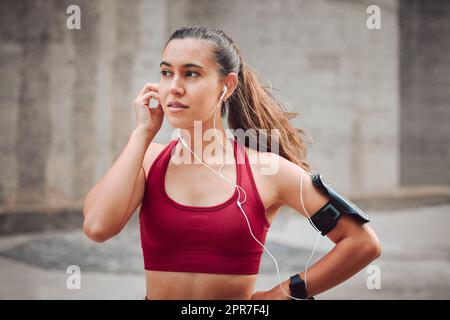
(192, 72)
(163, 72)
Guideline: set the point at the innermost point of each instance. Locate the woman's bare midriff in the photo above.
(164, 285)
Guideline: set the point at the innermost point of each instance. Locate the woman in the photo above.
(195, 240)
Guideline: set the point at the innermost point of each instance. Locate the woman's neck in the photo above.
(211, 146)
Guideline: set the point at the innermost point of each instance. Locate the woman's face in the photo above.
(189, 76)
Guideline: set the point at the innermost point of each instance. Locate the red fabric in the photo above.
(206, 239)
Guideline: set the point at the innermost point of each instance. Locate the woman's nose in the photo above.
(175, 87)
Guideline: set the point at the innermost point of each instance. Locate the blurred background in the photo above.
(375, 103)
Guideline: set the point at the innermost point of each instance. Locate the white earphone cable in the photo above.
(239, 204)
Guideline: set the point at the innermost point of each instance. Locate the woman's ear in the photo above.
(231, 81)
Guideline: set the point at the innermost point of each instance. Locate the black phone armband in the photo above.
(325, 219)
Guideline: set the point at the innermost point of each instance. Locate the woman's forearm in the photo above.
(106, 204)
(347, 258)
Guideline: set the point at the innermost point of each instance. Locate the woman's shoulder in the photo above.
(152, 152)
(264, 166)
(271, 167)
(155, 148)
(261, 159)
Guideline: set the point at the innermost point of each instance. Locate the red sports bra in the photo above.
(206, 239)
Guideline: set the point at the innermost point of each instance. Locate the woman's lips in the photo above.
(176, 108)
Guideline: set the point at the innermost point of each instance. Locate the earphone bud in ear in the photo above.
(225, 89)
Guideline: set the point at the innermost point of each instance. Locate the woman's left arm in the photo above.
(356, 244)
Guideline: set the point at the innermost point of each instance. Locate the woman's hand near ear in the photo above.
(110, 203)
(148, 119)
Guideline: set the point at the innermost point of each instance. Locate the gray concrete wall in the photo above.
(425, 92)
(66, 94)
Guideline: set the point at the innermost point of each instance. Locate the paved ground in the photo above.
(415, 263)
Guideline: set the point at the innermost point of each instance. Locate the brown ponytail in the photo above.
(253, 106)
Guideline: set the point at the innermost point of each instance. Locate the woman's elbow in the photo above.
(96, 233)
(372, 248)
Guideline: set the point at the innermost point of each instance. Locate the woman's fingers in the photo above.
(148, 87)
(148, 118)
(145, 98)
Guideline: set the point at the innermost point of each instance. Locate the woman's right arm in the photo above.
(107, 206)
(111, 202)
